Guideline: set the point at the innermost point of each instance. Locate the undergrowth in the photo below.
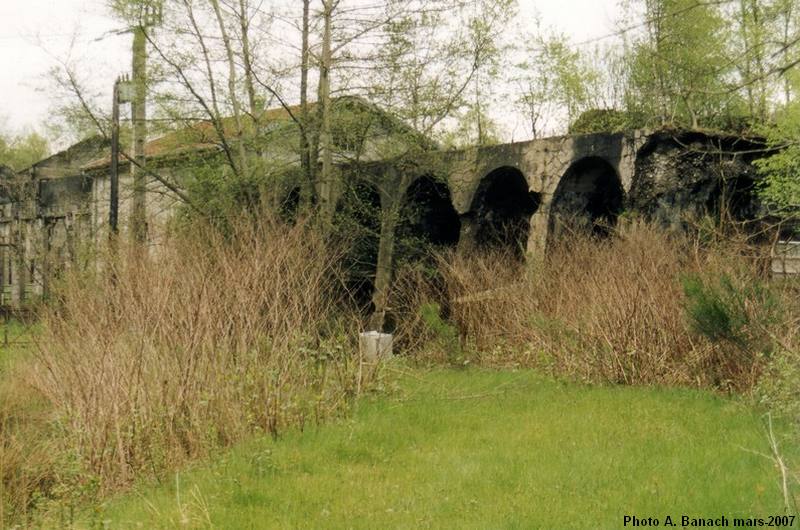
(153, 359)
(642, 306)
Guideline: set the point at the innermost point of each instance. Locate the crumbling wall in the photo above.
(509, 196)
(683, 175)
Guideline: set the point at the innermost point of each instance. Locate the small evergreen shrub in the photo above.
(720, 310)
(445, 335)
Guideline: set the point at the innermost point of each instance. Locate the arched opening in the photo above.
(503, 206)
(732, 199)
(427, 224)
(588, 199)
(428, 219)
(358, 227)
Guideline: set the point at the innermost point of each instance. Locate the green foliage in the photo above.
(20, 152)
(554, 77)
(778, 388)
(357, 225)
(780, 187)
(222, 193)
(604, 121)
(440, 63)
(678, 70)
(721, 310)
(714, 311)
(572, 76)
(133, 11)
(445, 335)
(474, 128)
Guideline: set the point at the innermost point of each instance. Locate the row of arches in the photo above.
(588, 197)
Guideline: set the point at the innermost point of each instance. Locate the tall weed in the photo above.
(643, 306)
(151, 360)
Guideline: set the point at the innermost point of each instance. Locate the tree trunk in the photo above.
(758, 51)
(232, 81)
(326, 188)
(306, 158)
(384, 266)
(247, 59)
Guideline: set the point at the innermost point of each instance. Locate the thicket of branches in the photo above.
(462, 73)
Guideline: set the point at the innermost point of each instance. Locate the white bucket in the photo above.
(374, 345)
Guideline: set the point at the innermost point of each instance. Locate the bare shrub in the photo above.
(414, 286)
(160, 358)
(26, 452)
(606, 310)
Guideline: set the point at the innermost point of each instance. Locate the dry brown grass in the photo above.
(26, 452)
(156, 360)
(612, 310)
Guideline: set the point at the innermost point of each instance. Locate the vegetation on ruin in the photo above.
(248, 340)
(22, 151)
(219, 380)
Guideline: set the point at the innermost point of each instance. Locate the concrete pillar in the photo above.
(469, 228)
(537, 236)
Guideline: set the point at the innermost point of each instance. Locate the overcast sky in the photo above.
(36, 34)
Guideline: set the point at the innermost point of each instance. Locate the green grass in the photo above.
(15, 341)
(480, 449)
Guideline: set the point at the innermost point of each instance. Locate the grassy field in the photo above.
(481, 449)
(15, 340)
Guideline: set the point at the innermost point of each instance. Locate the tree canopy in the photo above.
(22, 151)
(459, 72)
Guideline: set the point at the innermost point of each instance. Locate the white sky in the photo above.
(36, 34)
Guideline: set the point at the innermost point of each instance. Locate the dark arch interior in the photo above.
(427, 219)
(588, 198)
(290, 205)
(358, 226)
(732, 198)
(503, 207)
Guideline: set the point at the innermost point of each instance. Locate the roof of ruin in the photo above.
(203, 136)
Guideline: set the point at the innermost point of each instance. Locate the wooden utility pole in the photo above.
(139, 116)
(113, 202)
(123, 93)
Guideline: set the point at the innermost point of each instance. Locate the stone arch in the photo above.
(502, 208)
(427, 218)
(589, 197)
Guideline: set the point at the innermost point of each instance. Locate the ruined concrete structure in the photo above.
(524, 194)
(517, 195)
(45, 212)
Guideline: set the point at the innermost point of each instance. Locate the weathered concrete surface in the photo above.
(681, 175)
(543, 164)
(589, 179)
(518, 195)
(44, 217)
